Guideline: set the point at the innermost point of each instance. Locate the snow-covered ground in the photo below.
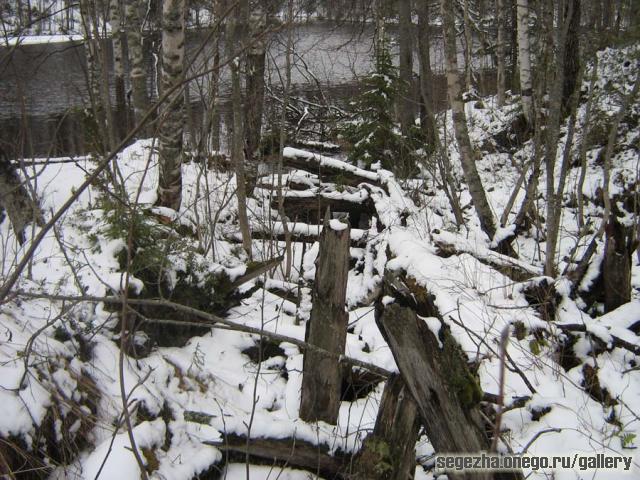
(62, 374)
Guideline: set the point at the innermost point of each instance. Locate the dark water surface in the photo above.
(43, 87)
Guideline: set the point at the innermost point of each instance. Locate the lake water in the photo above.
(43, 87)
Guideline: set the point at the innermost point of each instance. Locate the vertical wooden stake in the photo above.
(327, 328)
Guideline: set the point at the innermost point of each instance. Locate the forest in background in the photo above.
(246, 268)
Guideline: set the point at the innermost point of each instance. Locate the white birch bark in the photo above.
(524, 57)
(172, 120)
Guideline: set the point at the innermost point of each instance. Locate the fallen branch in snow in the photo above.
(255, 270)
(329, 169)
(615, 341)
(512, 268)
(213, 321)
(289, 452)
(516, 402)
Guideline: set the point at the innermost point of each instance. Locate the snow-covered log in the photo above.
(329, 169)
(290, 452)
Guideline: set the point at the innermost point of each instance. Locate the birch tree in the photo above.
(524, 58)
(256, 55)
(405, 100)
(500, 52)
(476, 189)
(172, 119)
(137, 74)
(117, 34)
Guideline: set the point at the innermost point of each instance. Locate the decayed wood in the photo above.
(436, 373)
(255, 270)
(312, 207)
(290, 452)
(327, 328)
(336, 172)
(616, 267)
(389, 452)
(445, 398)
(300, 232)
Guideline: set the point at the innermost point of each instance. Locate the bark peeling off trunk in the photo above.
(327, 328)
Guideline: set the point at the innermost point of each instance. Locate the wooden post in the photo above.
(389, 452)
(327, 328)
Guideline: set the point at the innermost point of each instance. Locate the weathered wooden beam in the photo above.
(327, 327)
(389, 452)
(435, 371)
(300, 232)
(311, 208)
(255, 270)
(285, 452)
(329, 169)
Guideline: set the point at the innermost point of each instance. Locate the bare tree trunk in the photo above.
(254, 96)
(327, 327)
(524, 57)
(468, 47)
(236, 40)
(500, 52)
(117, 35)
(392, 442)
(476, 189)
(94, 76)
(16, 201)
(572, 59)
(172, 119)
(427, 117)
(551, 147)
(137, 73)
(616, 267)
(283, 136)
(405, 100)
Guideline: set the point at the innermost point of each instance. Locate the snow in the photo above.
(39, 39)
(73, 347)
(337, 225)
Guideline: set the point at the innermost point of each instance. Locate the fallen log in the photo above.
(285, 452)
(255, 270)
(300, 232)
(329, 169)
(435, 371)
(310, 208)
(516, 270)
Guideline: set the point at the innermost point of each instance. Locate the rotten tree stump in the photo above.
(389, 452)
(327, 328)
(436, 373)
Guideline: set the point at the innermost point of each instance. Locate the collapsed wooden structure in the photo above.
(435, 390)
